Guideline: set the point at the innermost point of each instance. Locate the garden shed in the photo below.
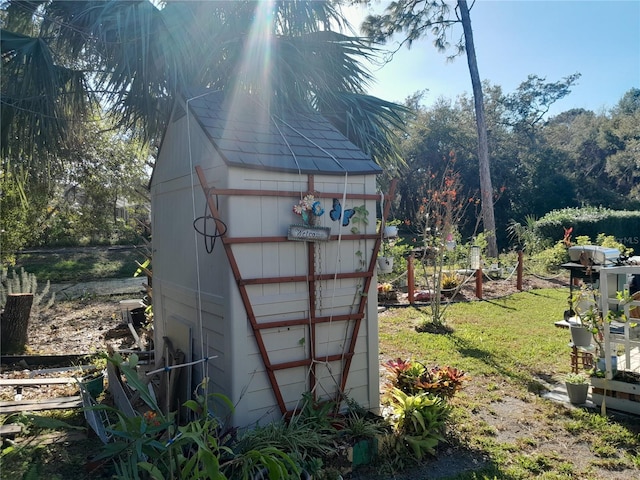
(264, 252)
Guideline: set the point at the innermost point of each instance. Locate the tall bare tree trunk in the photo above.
(486, 188)
(14, 323)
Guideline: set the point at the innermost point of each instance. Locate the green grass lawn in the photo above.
(514, 337)
(507, 347)
(80, 265)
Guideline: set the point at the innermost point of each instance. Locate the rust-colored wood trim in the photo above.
(365, 289)
(307, 361)
(307, 321)
(303, 278)
(285, 193)
(243, 291)
(237, 240)
(311, 286)
(277, 239)
(311, 278)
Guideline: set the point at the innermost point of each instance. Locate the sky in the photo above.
(600, 39)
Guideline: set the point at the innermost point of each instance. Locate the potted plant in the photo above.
(390, 229)
(386, 293)
(385, 261)
(577, 387)
(449, 284)
(385, 264)
(588, 310)
(589, 318)
(308, 208)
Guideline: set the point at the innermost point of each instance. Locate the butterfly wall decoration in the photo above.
(336, 212)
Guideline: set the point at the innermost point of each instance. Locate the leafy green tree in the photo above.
(601, 152)
(576, 134)
(622, 134)
(75, 200)
(526, 108)
(538, 181)
(18, 218)
(106, 172)
(431, 138)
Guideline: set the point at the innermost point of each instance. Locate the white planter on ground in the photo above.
(577, 392)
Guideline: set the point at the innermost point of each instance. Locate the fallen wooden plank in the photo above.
(80, 369)
(11, 403)
(27, 382)
(54, 437)
(44, 359)
(9, 430)
(39, 405)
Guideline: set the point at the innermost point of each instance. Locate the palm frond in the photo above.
(40, 99)
(136, 56)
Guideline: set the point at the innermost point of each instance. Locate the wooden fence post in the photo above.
(479, 283)
(411, 282)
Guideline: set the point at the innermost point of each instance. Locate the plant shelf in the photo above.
(616, 394)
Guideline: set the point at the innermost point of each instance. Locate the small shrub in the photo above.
(359, 423)
(399, 251)
(202, 448)
(550, 259)
(589, 221)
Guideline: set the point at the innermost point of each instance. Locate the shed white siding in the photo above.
(197, 302)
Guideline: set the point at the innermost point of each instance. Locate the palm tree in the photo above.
(61, 59)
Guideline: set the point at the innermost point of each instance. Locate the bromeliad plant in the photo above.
(418, 402)
(419, 422)
(413, 378)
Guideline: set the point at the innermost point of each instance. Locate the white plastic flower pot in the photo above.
(390, 232)
(385, 264)
(580, 336)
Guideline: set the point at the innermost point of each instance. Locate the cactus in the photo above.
(24, 282)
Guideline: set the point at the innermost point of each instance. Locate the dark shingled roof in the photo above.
(247, 134)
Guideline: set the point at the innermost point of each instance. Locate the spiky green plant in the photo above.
(419, 421)
(24, 282)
